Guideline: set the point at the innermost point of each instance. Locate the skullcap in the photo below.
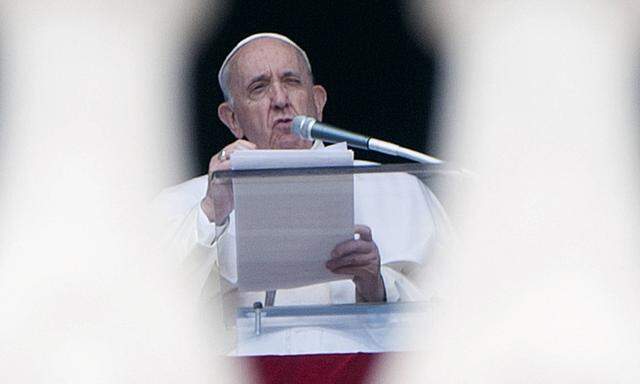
(260, 36)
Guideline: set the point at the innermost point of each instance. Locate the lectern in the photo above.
(272, 247)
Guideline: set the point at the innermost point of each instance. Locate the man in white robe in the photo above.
(267, 80)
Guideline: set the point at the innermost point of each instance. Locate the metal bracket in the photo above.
(257, 322)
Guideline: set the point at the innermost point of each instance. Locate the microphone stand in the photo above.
(396, 150)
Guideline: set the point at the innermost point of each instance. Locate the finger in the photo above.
(244, 144)
(224, 166)
(364, 232)
(216, 161)
(238, 145)
(221, 163)
(352, 260)
(351, 271)
(218, 165)
(352, 246)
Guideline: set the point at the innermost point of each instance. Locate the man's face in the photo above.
(270, 85)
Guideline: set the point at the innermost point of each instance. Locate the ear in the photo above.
(319, 99)
(228, 117)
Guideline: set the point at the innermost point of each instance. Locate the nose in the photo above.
(279, 96)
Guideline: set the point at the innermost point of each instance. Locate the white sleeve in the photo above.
(208, 233)
(398, 286)
(186, 236)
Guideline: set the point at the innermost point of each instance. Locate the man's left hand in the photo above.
(361, 259)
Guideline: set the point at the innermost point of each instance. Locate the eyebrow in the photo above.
(261, 77)
(290, 73)
(264, 76)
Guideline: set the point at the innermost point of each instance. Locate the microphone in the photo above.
(309, 128)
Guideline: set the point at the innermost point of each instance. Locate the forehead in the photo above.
(265, 55)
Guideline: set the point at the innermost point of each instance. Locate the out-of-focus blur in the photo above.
(541, 101)
(92, 117)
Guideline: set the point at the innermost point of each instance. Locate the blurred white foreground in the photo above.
(91, 128)
(541, 99)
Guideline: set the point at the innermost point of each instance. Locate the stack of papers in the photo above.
(287, 226)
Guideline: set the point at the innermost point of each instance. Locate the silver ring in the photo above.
(222, 155)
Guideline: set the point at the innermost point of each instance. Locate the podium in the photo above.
(407, 208)
(329, 329)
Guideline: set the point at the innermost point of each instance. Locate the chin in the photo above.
(293, 143)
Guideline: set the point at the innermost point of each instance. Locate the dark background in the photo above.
(380, 78)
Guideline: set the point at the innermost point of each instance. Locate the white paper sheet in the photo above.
(332, 156)
(286, 226)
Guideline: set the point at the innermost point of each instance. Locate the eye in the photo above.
(257, 88)
(293, 80)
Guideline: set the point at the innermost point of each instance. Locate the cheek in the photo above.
(304, 104)
(253, 120)
(312, 104)
(257, 131)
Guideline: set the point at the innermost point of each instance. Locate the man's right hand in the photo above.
(217, 204)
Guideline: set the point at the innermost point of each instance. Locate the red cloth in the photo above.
(351, 368)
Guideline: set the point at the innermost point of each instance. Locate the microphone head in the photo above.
(301, 126)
